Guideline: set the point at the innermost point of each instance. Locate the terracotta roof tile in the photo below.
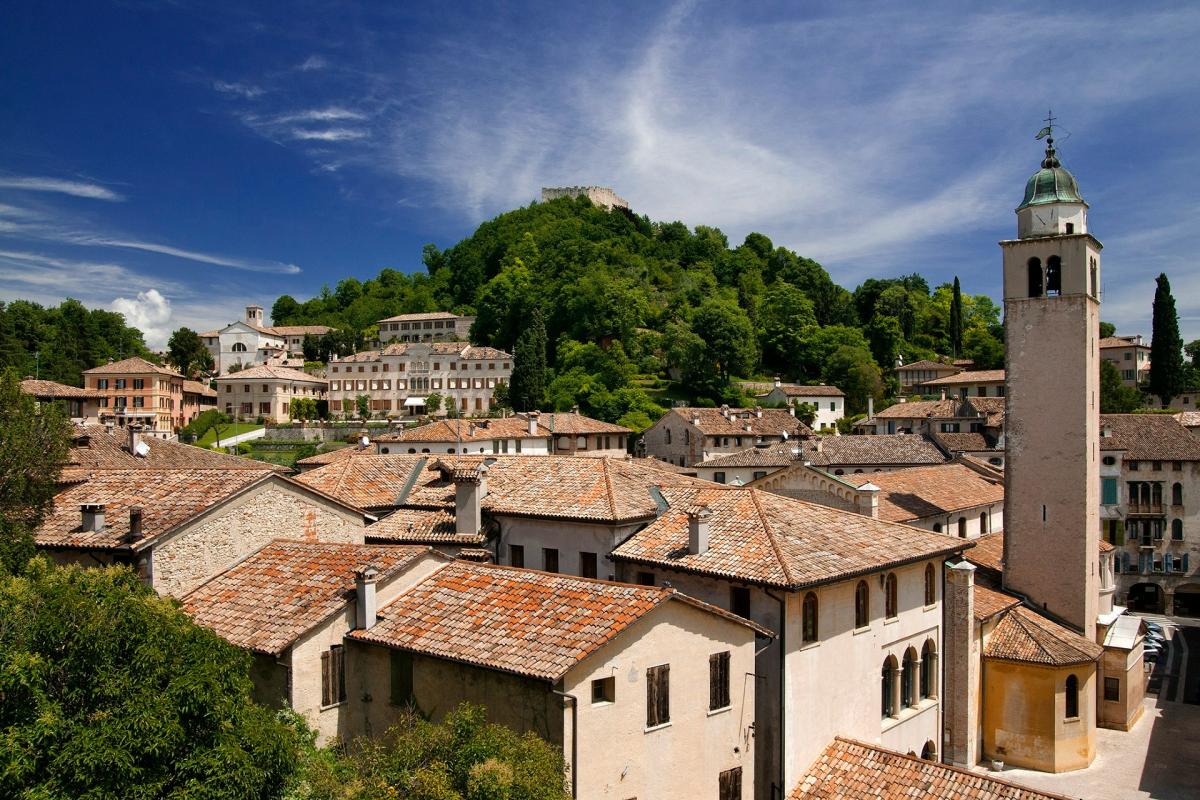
(1024, 635)
(1149, 437)
(965, 442)
(532, 623)
(973, 376)
(131, 366)
(1189, 419)
(467, 430)
(988, 553)
(572, 424)
(420, 526)
(852, 770)
(927, 364)
(910, 449)
(270, 372)
(792, 389)
(333, 455)
(93, 448)
(910, 494)
(989, 602)
(779, 454)
(269, 600)
(196, 387)
(421, 316)
(168, 497)
(1117, 341)
(772, 540)
(52, 389)
(744, 422)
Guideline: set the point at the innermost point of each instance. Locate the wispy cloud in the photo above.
(313, 63)
(329, 114)
(91, 191)
(249, 265)
(247, 91)
(328, 134)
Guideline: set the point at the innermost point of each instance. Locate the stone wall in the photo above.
(601, 196)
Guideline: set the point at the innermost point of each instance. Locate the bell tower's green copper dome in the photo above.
(1051, 184)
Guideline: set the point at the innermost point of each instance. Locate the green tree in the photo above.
(204, 422)
(886, 339)
(433, 403)
(303, 408)
(1115, 396)
(852, 370)
(284, 310)
(786, 314)
(363, 403)
(34, 443)
(956, 320)
(500, 396)
(111, 692)
(806, 413)
(1166, 346)
(729, 340)
(187, 353)
(984, 349)
(527, 387)
(1107, 329)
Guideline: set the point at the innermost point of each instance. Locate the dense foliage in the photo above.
(1115, 396)
(688, 311)
(187, 353)
(57, 344)
(34, 439)
(1167, 376)
(462, 758)
(109, 691)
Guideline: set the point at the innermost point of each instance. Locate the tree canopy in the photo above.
(187, 353)
(1167, 375)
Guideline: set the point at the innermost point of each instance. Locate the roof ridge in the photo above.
(770, 530)
(612, 500)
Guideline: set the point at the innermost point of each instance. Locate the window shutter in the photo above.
(651, 697)
(664, 694)
(1185, 562)
(326, 683)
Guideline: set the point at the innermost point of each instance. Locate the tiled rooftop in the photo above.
(1117, 341)
(420, 526)
(537, 624)
(574, 424)
(270, 372)
(884, 449)
(134, 365)
(1024, 635)
(768, 539)
(965, 442)
(168, 497)
(926, 364)
(93, 448)
(973, 376)
(988, 553)
(910, 494)
(52, 389)
(989, 602)
(853, 770)
(269, 600)
(421, 316)
(948, 408)
(467, 430)
(743, 421)
(792, 389)
(1149, 437)
(1189, 419)
(196, 387)
(779, 454)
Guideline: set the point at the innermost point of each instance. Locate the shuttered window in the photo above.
(658, 695)
(718, 681)
(402, 678)
(1108, 491)
(333, 678)
(731, 784)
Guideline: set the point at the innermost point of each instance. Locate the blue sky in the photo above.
(175, 161)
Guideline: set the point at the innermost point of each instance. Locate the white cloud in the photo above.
(330, 114)
(149, 312)
(250, 265)
(90, 191)
(313, 63)
(328, 135)
(238, 89)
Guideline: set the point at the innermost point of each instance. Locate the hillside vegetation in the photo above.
(638, 313)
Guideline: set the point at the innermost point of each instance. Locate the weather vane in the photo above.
(1049, 129)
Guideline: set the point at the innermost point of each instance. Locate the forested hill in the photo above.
(58, 343)
(629, 302)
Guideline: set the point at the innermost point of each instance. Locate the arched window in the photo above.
(667, 435)
(937, 527)
(962, 527)
(862, 605)
(888, 697)
(809, 626)
(908, 679)
(1053, 276)
(930, 588)
(1094, 275)
(890, 606)
(929, 669)
(1177, 494)
(1177, 530)
(238, 347)
(983, 523)
(1072, 691)
(929, 751)
(1035, 277)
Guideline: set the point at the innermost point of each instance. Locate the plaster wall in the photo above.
(214, 541)
(1024, 712)
(1126, 667)
(536, 446)
(270, 678)
(618, 756)
(569, 538)
(269, 398)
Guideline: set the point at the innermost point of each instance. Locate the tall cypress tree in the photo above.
(527, 387)
(956, 320)
(1166, 346)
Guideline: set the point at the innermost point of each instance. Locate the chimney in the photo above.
(778, 382)
(533, 422)
(749, 428)
(698, 531)
(135, 524)
(134, 436)
(758, 411)
(695, 419)
(365, 609)
(575, 409)
(960, 717)
(870, 406)
(470, 487)
(868, 500)
(943, 392)
(792, 410)
(93, 516)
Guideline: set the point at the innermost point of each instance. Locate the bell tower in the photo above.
(1051, 324)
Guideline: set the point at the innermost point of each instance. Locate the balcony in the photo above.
(1146, 509)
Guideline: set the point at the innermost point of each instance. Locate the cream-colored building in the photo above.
(686, 436)
(975, 383)
(1130, 355)
(135, 392)
(398, 379)
(619, 677)
(267, 391)
(911, 376)
(82, 405)
(829, 401)
(435, 326)
(519, 435)
(250, 342)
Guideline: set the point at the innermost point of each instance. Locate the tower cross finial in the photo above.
(1050, 120)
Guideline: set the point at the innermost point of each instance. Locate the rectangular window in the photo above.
(658, 695)
(1112, 689)
(730, 784)
(604, 690)
(550, 559)
(333, 678)
(120, 384)
(719, 477)
(1133, 466)
(1108, 491)
(264, 408)
(102, 383)
(139, 402)
(587, 565)
(739, 601)
(718, 681)
(645, 578)
(759, 474)
(139, 383)
(516, 555)
(401, 678)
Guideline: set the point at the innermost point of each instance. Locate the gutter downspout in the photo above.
(574, 740)
(782, 689)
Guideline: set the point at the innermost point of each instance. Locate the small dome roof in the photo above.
(1051, 184)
